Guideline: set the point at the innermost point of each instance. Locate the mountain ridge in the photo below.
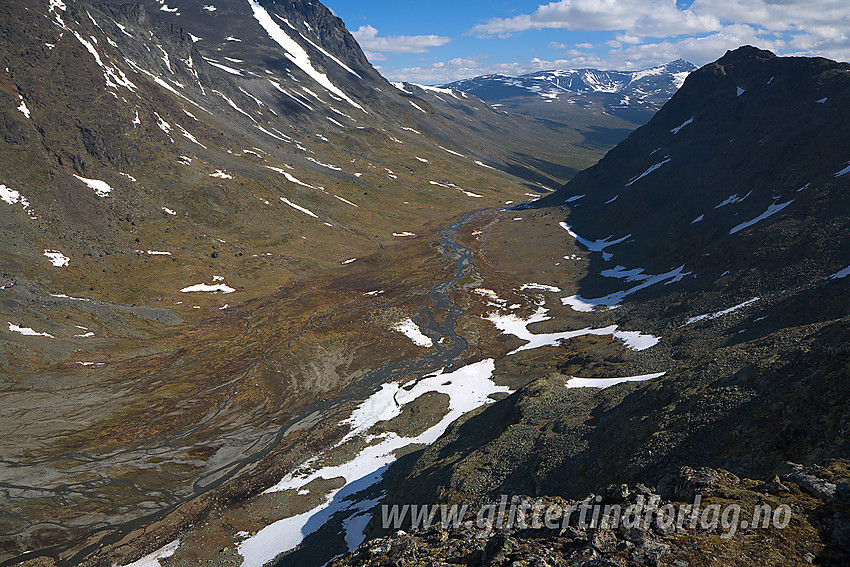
(733, 256)
(634, 95)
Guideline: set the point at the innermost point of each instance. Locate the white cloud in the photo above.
(662, 18)
(375, 45)
(647, 33)
(699, 50)
(634, 34)
(374, 56)
(567, 46)
(440, 72)
(626, 38)
(655, 18)
(574, 53)
(781, 15)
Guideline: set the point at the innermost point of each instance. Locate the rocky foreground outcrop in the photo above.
(799, 517)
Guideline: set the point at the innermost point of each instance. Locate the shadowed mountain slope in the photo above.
(722, 228)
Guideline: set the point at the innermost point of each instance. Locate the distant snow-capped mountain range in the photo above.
(635, 95)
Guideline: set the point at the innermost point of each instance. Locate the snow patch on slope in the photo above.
(732, 200)
(840, 274)
(411, 330)
(57, 258)
(26, 331)
(101, 188)
(208, 288)
(295, 52)
(299, 208)
(652, 168)
(771, 210)
(468, 388)
(166, 551)
(12, 197)
(593, 245)
(721, 313)
(608, 382)
(844, 171)
(517, 326)
(685, 123)
(613, 300)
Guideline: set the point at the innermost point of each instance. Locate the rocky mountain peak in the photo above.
(749, 150)
(745, 53)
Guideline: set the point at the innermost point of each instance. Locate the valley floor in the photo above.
(491, 295)
(480, 324)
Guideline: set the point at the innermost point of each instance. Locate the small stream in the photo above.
(341, 519)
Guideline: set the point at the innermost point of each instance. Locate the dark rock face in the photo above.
(312, 20)
(743, 134)
(547, 439)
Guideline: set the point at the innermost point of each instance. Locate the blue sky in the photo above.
(438, 41)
